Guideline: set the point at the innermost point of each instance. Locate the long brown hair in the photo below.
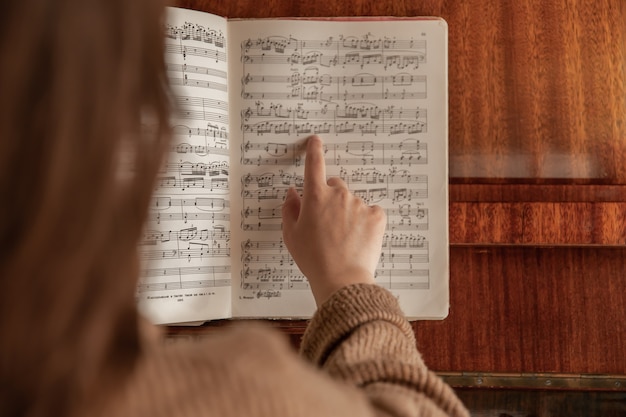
(76, 174)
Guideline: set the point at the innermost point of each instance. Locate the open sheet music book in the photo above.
(248, 93)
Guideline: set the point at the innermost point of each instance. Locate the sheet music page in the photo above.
(376, 92)
(186, 245)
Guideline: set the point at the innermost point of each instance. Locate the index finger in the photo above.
(314, 165)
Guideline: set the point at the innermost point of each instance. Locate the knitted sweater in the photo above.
(358, 358)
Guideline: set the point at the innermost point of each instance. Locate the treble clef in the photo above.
(247, 114)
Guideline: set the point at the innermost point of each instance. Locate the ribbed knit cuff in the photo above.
(346, 310)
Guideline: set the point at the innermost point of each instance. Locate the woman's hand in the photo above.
(333, 236)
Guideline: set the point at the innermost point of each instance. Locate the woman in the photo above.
(76, 173)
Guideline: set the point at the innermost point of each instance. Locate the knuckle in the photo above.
(379, 214)
(336, 182)
(343, 198)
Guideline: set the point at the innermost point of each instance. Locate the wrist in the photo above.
(326, 286)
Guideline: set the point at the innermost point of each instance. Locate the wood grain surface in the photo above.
(537, 118)
(529, 309)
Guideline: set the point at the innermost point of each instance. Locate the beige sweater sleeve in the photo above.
(361, 336)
